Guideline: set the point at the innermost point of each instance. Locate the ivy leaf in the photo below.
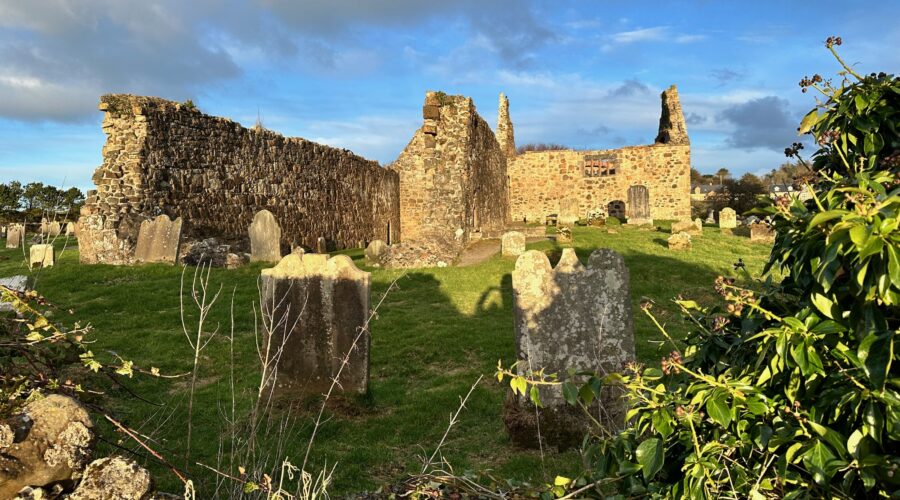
(650, 455)
(535, 396)
(718, 410)
(570, 392)
(876, 352)
(816, 459)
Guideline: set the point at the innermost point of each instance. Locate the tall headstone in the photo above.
(54, 229)
(512, 244)
(638, 211)
(571, 317)
(569, 211)
(15, 236)
(319, 307)
(45, 226)
(375, 252)
(265, 238)
(70, 229)
(159, 240)
(41, 256)
(727, 218)
(321, 245)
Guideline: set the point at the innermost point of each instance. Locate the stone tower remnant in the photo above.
(505, 135)
(569, 317)
(319, 309)
(672, 128)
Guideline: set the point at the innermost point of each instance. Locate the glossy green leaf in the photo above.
(650, 456)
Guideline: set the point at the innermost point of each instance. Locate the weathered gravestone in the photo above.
(569, 212)
(375, 252)
(54, 229)
(698, 224)
(41, 256)
(15, 236)
(688, 227)
(512, 244)
(639, 205)
(159, 240)
(762, 233)
(680, 241)
(710, 217)
(321, 245)
(577, 317)
(70, 229)
(727, 218)
(563, 234)
(265, 238)
(318, 309)
(45, 226)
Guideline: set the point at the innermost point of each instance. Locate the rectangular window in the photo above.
(599, 166)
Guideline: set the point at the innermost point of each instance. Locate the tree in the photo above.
(696, 176)
(32, 194)
(723, 174)
(11, 196)
(72, 200)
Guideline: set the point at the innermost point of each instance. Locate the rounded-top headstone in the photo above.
(265, 238)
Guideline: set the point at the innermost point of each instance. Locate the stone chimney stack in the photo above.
(505, 135)
(672, 129)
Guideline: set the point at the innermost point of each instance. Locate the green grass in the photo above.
(434, 336)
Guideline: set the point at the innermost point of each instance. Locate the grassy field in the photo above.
(435, 334)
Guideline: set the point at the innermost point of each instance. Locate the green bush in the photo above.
(790, 389)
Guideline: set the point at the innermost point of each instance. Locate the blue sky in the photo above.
(353, 73)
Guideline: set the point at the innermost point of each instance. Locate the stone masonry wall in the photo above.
(162, 157)
(453, 179)
(539, 180)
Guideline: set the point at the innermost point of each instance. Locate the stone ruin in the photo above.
(455, 182)
(569, 317)
(317, 307)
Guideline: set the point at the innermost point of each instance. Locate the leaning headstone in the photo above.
(18, 284)
(54, 229)
(512, 244)
(15, 236)
(569, 211)
(686, 226)
(638, 211)
(727, 218)
(571, 317)
(41, 256)
(322, 307)
(762, 233)
(159, 240)
(375, 252)
(321, 245)
(680, 241)
(265, 238)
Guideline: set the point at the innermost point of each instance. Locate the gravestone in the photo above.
(15, 236)
(159, 240)
(41, 256)
(563, 234)
(70, 229)
(698, 224)
(639, 206)
(375, 252)
(322, 306)
(321, 245)
(512, 244)
(45, 226)
(761, 232)
(680, 241)
(569, 212)
(573, 316)
(727, 218)
(17, 284)
(53, 229)
(688, 227)
(265, 238)
(710, 217)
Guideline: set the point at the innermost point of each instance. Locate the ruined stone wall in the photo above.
(162, 157)
(453, 178)
(539, 180)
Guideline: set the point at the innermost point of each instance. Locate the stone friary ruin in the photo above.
(456, 181)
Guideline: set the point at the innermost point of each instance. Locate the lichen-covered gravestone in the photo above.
(563, 234)
(159, 240)
(54, 229)
(512, 244)
(688, 227)
(15, 235)
(569, 211)
(639, 206)
(321, 245)
(319, 308)
(727, 218)
(577, 317)
(375, 252)
(680, 241)
(761, 232)
(42, 256)
(265, 238)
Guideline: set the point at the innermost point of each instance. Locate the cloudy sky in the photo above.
(353, 73)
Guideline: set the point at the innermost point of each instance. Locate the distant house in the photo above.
(702, 192)
(777, 190)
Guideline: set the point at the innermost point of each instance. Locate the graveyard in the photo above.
(437, 331)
